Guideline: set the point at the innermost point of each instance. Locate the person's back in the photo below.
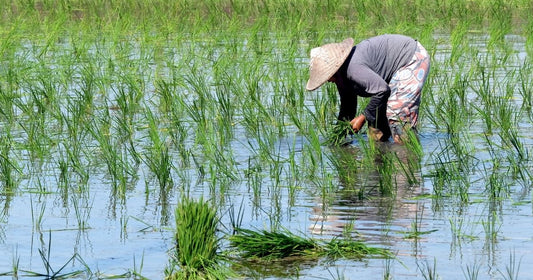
(383, 54)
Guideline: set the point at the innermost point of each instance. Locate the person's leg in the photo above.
(406, 87)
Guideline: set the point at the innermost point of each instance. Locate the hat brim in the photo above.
(326, 61)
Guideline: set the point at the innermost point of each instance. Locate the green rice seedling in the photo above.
(8, 98)
(293, 177)
(158, 158)
(64, 177)
(44, 94)
(386, 168)
(500, 24)
(73, 161)
(265, 143)
(511, 270)
(347, 166)
(222, 169)
(251, 108)
(137, 271)
(337, 275)
(196, 241)
(491, 226)
(525, 88)
(312, 154)
(118, 166)
(15, 264)
(457, 226)
(451, 110)
(409, 167)
(387, 273)
(471, 272)
(199, 108)
(295, 103)
(461, 148)
(496, 187)
(160, 163)
(416, 226)
(82, 212)
(38, 138)
(8, 167)
(369, 150)
(50, 272)
(128, 97)
(450, 172)
(37, 218)
(485, 89)
(174, 105)
(236, 218)
(414, 148)
(90, 84)
(165, 91)
(428, 272)
(459, 41)
(505, 114)
(522, 175)
(323, 105)
(254, 179)
(254, 58)
(511, 139)
(225, 105)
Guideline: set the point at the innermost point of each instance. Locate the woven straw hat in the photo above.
(325, 61)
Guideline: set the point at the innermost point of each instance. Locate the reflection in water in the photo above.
(378, 185)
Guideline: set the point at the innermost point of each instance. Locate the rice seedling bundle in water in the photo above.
(196, 240)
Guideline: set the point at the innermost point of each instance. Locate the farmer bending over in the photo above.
(389, 69)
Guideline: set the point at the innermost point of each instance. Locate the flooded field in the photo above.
(101, 137)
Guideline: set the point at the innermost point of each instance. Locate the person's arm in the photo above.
(348, 106)
(376, 88)
(348, 101)
(377, 105)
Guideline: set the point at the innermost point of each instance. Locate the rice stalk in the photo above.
(50, 272)
(429, 272)
(158, 158)
(8, 167)
(512, 270)
(471, 272)
(114, 156)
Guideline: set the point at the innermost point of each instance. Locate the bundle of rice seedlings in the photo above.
(270, 245)
(196, 241)
(336, 135)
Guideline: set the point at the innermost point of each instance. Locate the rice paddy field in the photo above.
(116, 114)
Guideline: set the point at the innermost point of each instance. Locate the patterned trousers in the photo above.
(406, 87)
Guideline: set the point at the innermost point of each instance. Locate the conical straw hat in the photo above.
(325, 61)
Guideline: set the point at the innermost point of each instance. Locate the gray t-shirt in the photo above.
(369, 69)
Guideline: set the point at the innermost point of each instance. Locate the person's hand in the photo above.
(358, 122)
